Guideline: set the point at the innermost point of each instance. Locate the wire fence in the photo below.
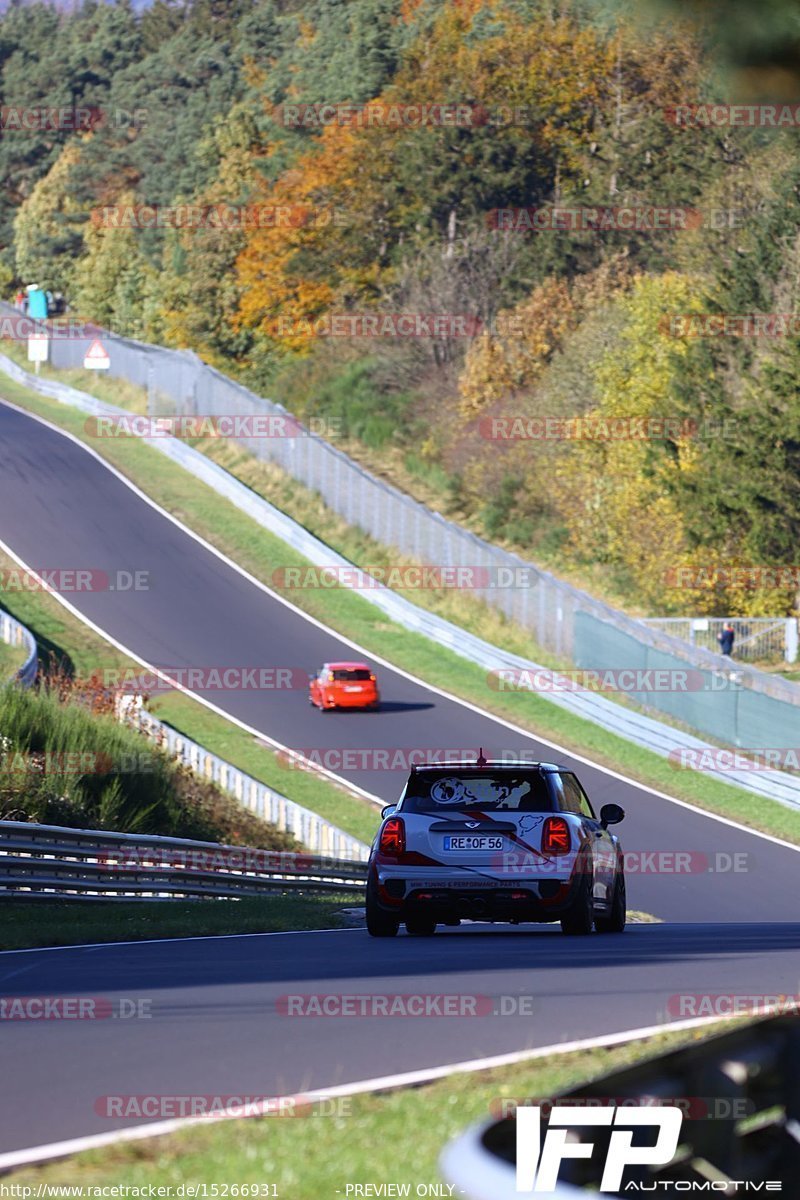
(562, 619)
(756, 639)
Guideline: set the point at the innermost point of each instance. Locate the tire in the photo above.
(615, 921)
(420, 926)
(379, 922)
(579, 919)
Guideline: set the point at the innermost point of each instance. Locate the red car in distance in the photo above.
(344, 685)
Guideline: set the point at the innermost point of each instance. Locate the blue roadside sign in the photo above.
(37, 304)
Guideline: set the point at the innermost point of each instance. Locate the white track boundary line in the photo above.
(199, 937)
(270, 1106)
(527, 733)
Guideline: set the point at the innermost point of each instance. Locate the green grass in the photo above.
(261, 553)
(11, 659)
(28, 923)
(412, 1126)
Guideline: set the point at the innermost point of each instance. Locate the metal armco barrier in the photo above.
(750, 717)
(45, 861)
(15, 634)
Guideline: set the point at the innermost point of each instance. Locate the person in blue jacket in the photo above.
(725, 638)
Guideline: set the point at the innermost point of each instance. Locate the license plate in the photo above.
(469, 841)
(353, 688)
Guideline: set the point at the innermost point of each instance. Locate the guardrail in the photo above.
(310, 829)
(14, 633)
(47, 861)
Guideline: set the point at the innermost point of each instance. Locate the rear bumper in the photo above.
(350, 700)
(454, 898)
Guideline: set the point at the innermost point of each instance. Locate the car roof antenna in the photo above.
(481, 760)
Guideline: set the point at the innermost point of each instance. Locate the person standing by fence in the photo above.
(726, 638)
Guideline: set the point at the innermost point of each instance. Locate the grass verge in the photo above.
(31, 923)
(270, 1150)
(11, 659)
(261, 553)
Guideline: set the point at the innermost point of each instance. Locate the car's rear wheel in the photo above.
(420, 926)
(579, 919)
(615, 921)
(379, 922)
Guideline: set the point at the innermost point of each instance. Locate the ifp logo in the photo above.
(539, 1160)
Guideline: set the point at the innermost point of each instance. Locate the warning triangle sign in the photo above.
(96, 356)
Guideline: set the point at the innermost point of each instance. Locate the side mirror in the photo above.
(387, 810)
(611, 814)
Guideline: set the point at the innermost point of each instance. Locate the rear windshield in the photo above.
(506, 791)
(359, 675)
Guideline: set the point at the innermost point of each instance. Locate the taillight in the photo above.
(331, 677)
(393, 837)
(555, 836)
